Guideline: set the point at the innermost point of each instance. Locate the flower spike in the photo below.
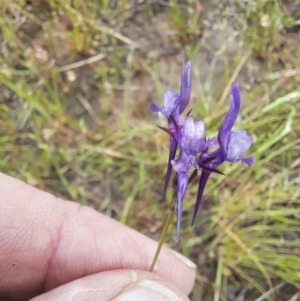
(232, 144)
(194, 148)
(173, 105)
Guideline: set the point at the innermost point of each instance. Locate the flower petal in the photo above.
(189, 127)
(154, 107)
(183, 162)
(185, 86)
(199, 129)
(231, 115)
(248, 161)
(182, 184)
(193, 141)
(238, 143)
(170, 101)
(213, 142)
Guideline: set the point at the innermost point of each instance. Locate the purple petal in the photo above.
(172, 152)
(231, 115)
(199, 129)
(189, 127)
(154, 107)
(211, 142)
(182, 163)
(202, 183)
(185, 86)
(193, 141)
(238, 143)
(248, 161)
(293, 7)
(214, 159)
(170, 101)
(182, 184)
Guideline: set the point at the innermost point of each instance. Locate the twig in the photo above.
(118, 36)
(241, 295)
(112, 153)
(271, 291)
(234, 76)
(88, 107)
(75, 65)
(280, 74)
(161, 240)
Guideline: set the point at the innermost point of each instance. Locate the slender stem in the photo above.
(218, 281)
(162, 239)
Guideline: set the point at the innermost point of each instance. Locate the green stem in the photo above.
(218, 281)
(162, 239)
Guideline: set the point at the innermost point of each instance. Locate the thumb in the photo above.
(118, 285)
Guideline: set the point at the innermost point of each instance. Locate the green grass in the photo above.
(84, 131)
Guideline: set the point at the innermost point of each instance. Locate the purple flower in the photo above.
(232, 145)
(170, 100)
(191, 142)
(189, 137)
(174, 104)
(293, 7)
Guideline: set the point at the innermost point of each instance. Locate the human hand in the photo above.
(52, 249)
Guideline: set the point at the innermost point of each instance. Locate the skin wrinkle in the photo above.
(131, 281)
(112, 261)
(133, 257)
(116, 240)
(55, 247)
(74, 221)
(96, 247)
(71, 216)
(78, 216)
(51, 242)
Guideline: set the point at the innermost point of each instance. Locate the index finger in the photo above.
(46, 242)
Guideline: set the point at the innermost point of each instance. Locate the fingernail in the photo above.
(188, 262)
(147, 290)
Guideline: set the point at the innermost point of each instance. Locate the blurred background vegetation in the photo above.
(76, 80)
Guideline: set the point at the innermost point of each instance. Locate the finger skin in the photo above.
(46, 242)
(109, 286)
